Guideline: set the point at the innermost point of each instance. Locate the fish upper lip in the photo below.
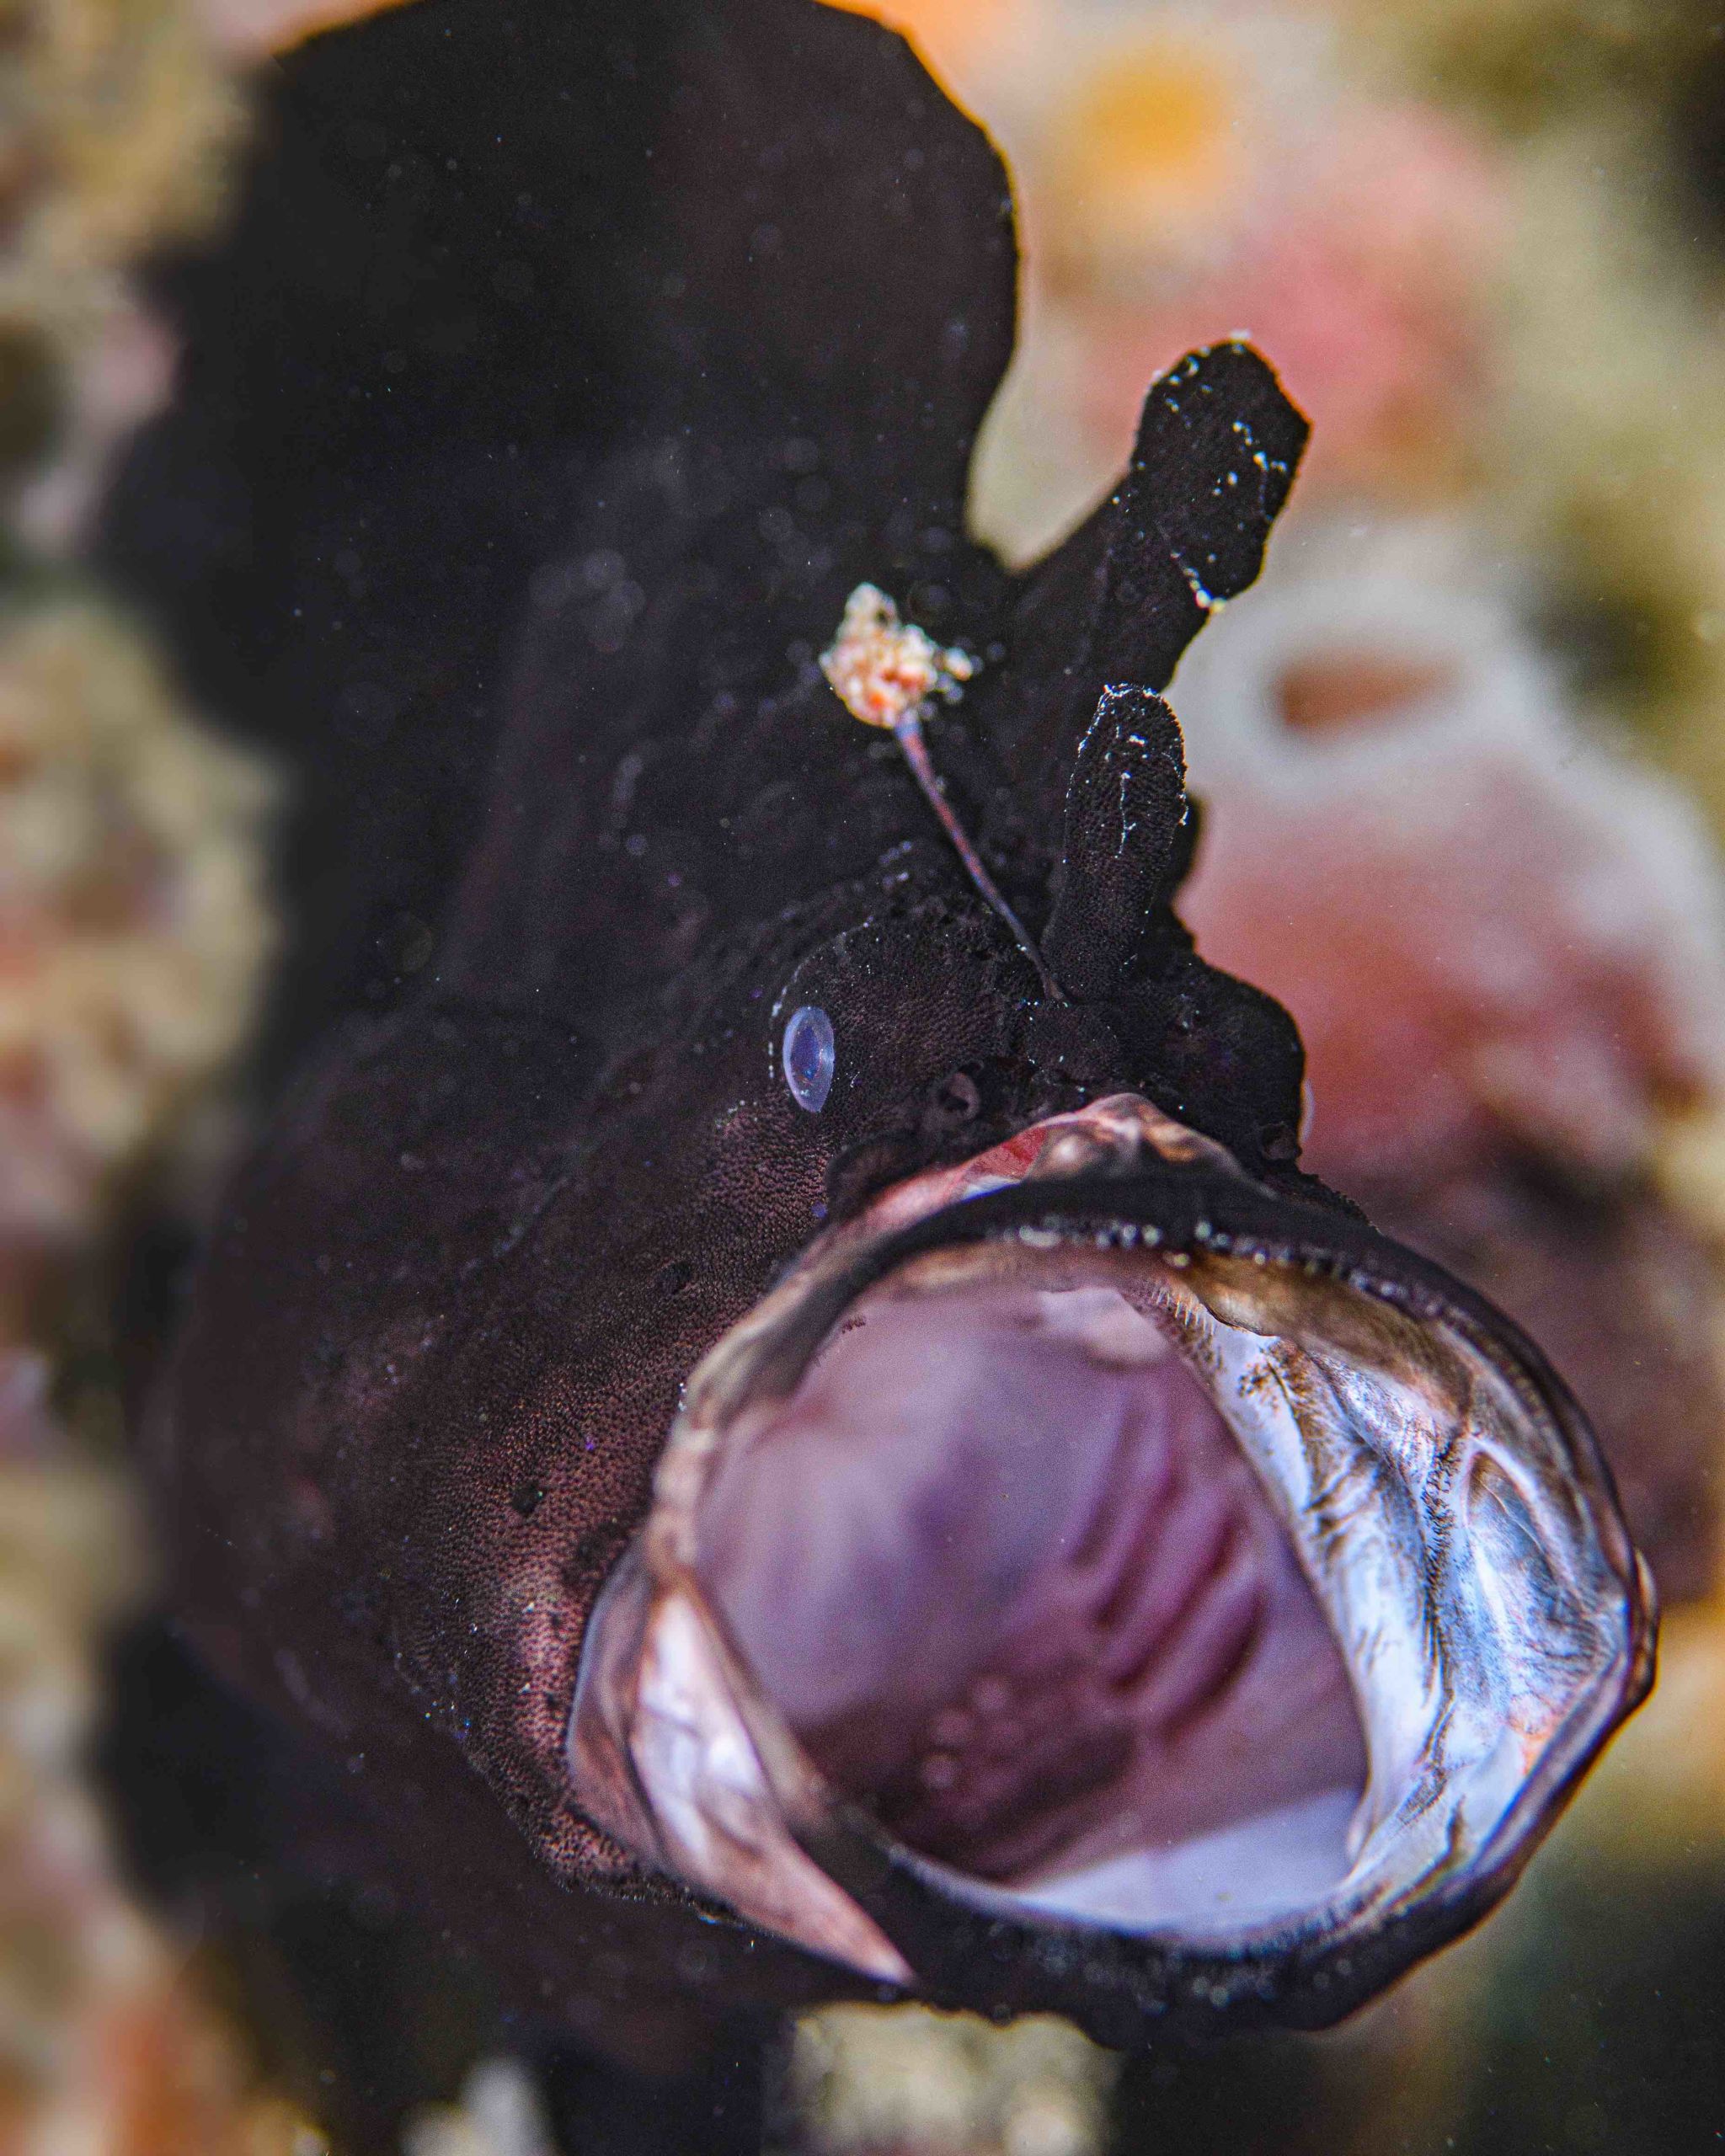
(1147, 1188)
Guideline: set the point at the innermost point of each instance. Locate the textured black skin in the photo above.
(567, 368)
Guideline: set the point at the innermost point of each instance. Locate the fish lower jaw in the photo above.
(1175, 1606)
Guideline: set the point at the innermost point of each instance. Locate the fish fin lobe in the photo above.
(1124, 806)
(1218, 446)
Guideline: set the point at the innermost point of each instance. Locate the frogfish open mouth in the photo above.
(1087, 1548)
(772, 1413)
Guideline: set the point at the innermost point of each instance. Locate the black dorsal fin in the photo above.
(1123, 808)
(1118, 602)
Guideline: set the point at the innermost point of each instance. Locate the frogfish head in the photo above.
(1102, 1574)
(1089, 1567)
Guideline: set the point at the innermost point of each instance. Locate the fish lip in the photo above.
(1169, 1191)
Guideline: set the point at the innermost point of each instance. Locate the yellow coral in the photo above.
(870, 2078)
(121, 125)
(133, 920)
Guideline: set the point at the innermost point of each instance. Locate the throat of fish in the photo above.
(886, 672)
(1012, 1583)
(1080, 1543)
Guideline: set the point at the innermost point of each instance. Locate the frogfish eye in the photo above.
(807, 1055)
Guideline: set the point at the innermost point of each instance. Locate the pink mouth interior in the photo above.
(1004, 1569)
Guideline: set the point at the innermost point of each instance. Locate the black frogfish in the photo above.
(773, 1386)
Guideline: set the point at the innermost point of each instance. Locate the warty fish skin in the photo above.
(564, 373)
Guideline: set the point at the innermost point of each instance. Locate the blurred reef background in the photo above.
(1462, 758)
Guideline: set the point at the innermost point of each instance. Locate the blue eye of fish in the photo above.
(808, 1056)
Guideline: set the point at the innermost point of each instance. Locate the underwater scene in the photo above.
(862, 1078)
